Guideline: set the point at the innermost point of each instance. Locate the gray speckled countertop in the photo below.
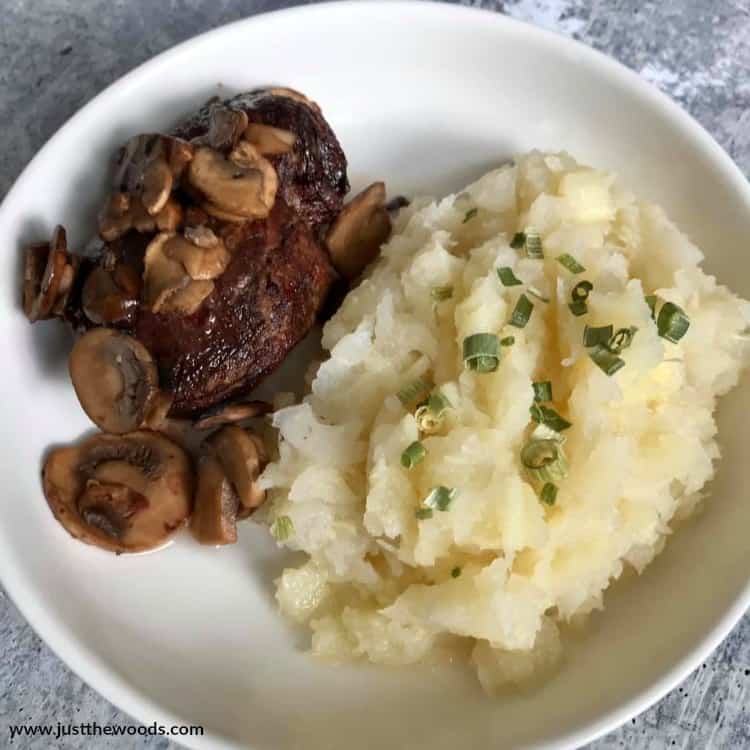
(56, 54)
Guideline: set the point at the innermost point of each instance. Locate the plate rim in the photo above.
(93, 669)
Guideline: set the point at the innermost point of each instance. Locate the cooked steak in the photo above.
(213, 252)
(261, 306)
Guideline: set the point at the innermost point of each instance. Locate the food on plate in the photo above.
(517, 406)
(126, 493)
(212, 264)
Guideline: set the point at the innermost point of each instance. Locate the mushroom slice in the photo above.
(359, 230)
(225, 127)
(146, 171)
(214, 519)
(243, 456)
(47, 277)
(156, 417)
(230, 413)
(294, 94)
(125, 493)
(268, 140)
(201, 235)
(115, 379)
(241, 185)
(201, 263)
(187, 301)
(170, 217)
(111, 297)
(162, 275)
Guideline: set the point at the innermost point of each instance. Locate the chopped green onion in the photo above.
(580, 294)
(413, 391)
(581, 291)
(481, 352)
(651, 302)
(521, 312)
(440, 293)
(438, 403)
(282, 528)
(595, 335)
(507, 276)
(427, 422)
(548, 495)
(423, 513)
(542, 391)
(542, 432)
(672, 322)
(534, 244)
(456, 572)
(440, 498)
(518, 241)
(429, 416)
(549, 417)
(544, 461)
(470, 214)
(606, 360)
(508, 341)
(534, 292)
(413, 455)
(622, 339)
(570, 263)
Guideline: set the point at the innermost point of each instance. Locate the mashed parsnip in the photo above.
(391, 575)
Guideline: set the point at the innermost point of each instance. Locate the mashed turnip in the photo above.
(394, 578)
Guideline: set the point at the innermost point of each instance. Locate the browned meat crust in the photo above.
(262, 306)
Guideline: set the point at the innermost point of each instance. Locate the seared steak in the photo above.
(213, 253)
(262, 305)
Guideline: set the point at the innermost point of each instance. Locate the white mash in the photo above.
(394, 578)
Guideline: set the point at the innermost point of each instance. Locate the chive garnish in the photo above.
(672, 322)
(413, 391)
(621, 339)
(518, 241)
(549, 417)
(581, 291)
(606, 360)
(507, 277)
(440, 498)
(423, 513)
(456, 572)
(548, 495)
(413, 455)
(544, 461)
(570, 263)
(651, 302)
(542, 390)
(481, 352)
(470, 214)
(282, 528)
(508, 341)
(440, 293)
(534, 244)
(521, 312)
(594, 335)
(429, 416)
(580, 294)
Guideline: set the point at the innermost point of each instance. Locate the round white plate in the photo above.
(427, 97)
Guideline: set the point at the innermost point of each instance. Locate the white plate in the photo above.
(427, 97)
